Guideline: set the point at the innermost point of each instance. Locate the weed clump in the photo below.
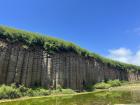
(108, 84)
(12, 91)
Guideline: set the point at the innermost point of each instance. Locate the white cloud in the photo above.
(125, 55)
(121, 52)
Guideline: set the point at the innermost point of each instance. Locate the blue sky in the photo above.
(108, 27)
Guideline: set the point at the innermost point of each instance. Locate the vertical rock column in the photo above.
(80, 75)
(19, 65)
(34, 68)
(39, 68)
(67, 72)
(55, 69)
(4, 63)
(62, 72)
(24, 68)
(12, 66)
(29, 69)
(50, 76)
(73, 72)
(45, 74)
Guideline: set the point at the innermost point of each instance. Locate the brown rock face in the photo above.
(35, 67)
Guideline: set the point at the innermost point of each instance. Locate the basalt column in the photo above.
(34, 66)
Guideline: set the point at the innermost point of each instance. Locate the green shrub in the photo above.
(30, 92)
(88, 87)
(102, 85)
(114, 83)
(37, 92)
(12, 91)
(15, 92)
(8, 92)
(59, 88)
(41, 92)
(23, 89)
(108, 84)
(63, 91)
(68, 91)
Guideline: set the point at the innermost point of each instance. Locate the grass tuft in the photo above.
(108, 84)
(102, 85)
(12, 91)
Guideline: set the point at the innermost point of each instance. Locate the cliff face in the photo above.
(71, 70)
(24, 66)
(35, 67)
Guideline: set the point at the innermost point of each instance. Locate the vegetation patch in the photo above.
(10, 92)
(114, 83)
(102, 85)
(108, 84)
(7, 92)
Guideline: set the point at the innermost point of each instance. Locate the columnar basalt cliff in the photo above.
(35, 66)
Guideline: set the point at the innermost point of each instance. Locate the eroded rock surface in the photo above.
(35, 67)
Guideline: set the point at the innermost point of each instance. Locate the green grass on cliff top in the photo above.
(53, 45)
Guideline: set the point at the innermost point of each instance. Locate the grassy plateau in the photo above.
(54, 45)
